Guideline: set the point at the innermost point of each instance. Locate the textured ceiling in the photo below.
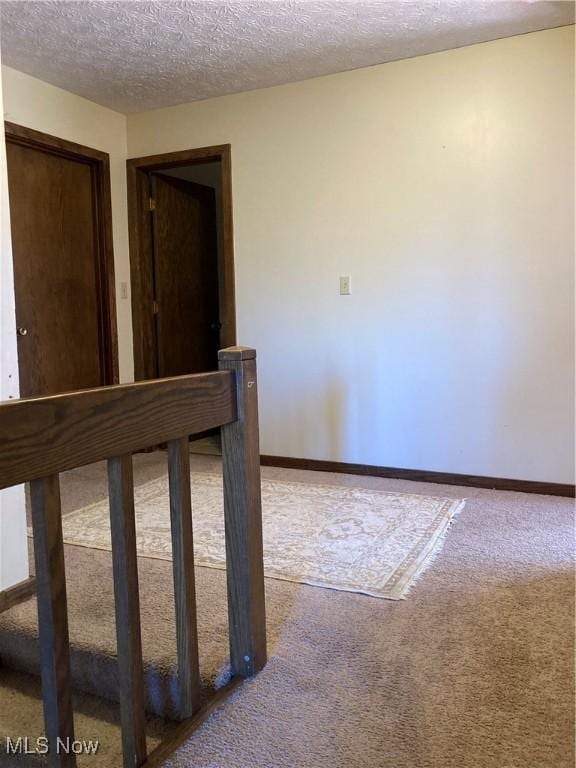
(138, 55)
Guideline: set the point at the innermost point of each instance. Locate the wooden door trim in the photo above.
(140, 247)
(99, 163)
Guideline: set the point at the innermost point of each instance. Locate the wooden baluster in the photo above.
(127, 605)
(52, 617)
(183, 569)
(243, 518)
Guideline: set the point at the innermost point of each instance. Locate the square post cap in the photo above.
(237, 353)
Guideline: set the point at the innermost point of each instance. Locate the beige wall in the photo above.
(443, 185)
(35, 104)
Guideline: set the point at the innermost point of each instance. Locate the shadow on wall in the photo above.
(325, 416)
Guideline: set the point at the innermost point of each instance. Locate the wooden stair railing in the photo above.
(42, 437)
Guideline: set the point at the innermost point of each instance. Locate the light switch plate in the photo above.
(123, 290)
(345, 285)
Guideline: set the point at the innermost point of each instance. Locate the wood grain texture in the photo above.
(52, 616)
(66, 431)
(106, 271)
(55, 276)
(140, 240)
(227, 290)
(184, 580)
(63, 261)
(127, 606)
(178, 158)
(243, 519)
(33, 138)
(140, 236)
(41, 436)
(17, 594)
(422, 476)
(186, 276)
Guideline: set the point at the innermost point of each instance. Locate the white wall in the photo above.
(35, 104)
(13, 541)
(444, 186)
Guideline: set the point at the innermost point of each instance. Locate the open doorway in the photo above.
(182, 263)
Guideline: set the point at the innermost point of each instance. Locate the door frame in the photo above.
(140, 245)
(99, 163)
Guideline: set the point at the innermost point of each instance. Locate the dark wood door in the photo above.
(185, 276)
(55, 252)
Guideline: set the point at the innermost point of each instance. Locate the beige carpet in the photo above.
(353, 539)
(21, 715)
(475, 670)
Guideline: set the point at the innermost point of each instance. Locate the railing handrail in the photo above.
(47, 435)
(42, 437)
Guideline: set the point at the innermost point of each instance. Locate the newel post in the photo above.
(243, 518)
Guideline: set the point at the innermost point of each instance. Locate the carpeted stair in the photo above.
(92, 630)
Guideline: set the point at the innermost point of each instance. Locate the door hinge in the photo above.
(151, 204)
(155, 307)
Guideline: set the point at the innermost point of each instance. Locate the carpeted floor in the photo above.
(358, 540)
(473, 670)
